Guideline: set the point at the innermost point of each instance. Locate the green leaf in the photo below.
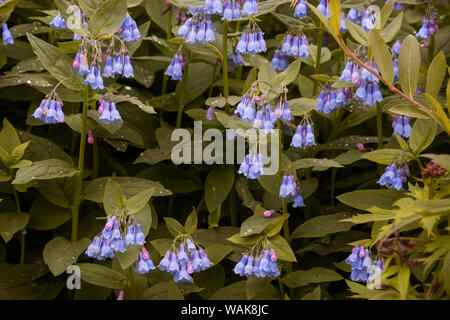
(441, 159)
(119, 198)
(322, 225)
(11, 222)
(9, 138)
(255, 286)
(382, 56)
(217, 252)
(316, 164)
(282, 249)
(218, 185)
(257, 223)
(422, 135)
(214, 218)
(315, 275)
(439, 114)
(108, 18)
(102, 276)
(55, 62)
(313, 295)
(44, 215)
(357, 32)
(364, 199)
(44, 170)
(8, 6)
(410, 110)
(391, 30)
(60, 253)
(403, 282)
(175, 228)
(249, 240)
(190, 226)
(386, 156)
(109, 203)
(173, 293)
(335, 11)
(301, 106)
(409, 65)
(324, 20)
(385, 13)
(287, 76)
(137, 202)
(127, 258)
(436, 74)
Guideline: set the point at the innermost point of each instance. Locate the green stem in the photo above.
(168, 37)
(380, 125)
(182, 93)
(131, 283)
(226, 88)
(318, 56)
(22, 236)
(333, 185)
(95, 159)
(79, 175)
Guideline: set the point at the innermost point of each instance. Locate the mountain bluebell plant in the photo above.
(252, 40)
(50, 109)
(301, 9)
(395, 175)
(402, 126)
(144, 263)
(175, 68)
(260, 262)
(108, 111)
(360, 262)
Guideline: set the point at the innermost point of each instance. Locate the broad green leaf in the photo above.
(108, 18)
(422, 135)
(410, 110)
(364, 199)
(357, 32)
(409, 64)
(102, 276)
(44, 170)
(175, 228)
(439, 113)
(59, 253)
(11, 222)
(44, 215)
(249, 240)
(109, 203)
(384, 15)
(301, 106)
(441, 159)
(313, 295)
(9, 138)
(403, 282)
(55, 62)
(173, 293)
(322, 225)
(257, 223)
(287, 76)
(137, 202)
(335, 11)
(255, 286)
(436, 74)
(7, 6)
(214, 218)
(190, 226)
(324, 20)
(127, 258)
(217, 252)
(315, 275)
(382, 56)
(386, 156)
(218, 185)
(282, 249)
(316, 164)
(391, 30)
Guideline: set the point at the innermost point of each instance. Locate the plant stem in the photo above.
(131, 283)
(22, 236)
(318, 56)
(182, 93)
(380, 125)
(95, 159)
(226, 89)
(333, 185)
(168, 36)
(79, 175)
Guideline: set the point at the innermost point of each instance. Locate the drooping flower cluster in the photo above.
(397, 5)
(175, 68)
(429, 25)
(395, 174)
(304, 134)
(185, 260)
(213, 7)
(360, 262)
(112, 239)
(252, 40)
(144, 264)
(260, 261)
(198, 28)
(250, 7)
(279, 62)
(108, 110)
(323, 8)
(354, 16)
(282, 109)
(58, 22)
(129, 30)
(295, 45)
(289, 189)
(401, 126)
(232, 10)
(368, 20)
(253, 166)
(329, 99)
(234, 60)
(301, 9)
(368, 91)
(6, 35)
(50, 109)
(343, 25)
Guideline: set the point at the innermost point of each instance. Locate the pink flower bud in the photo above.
(90, 137)
(120, 297)
(360, 147)
(268, 213)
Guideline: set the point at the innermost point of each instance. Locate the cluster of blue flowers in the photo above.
(112, 240)
(368, 91)
(246, 107)
(129, 30)
(108, 111)
(260, 266)
(279, 62)
(329, 100)
(397, 5)
(264, 118)
(252, 167)
(211, 113)
(354, 16)
(175, 68)
(182, 263)
(198, 28)
(234, 60)
(401, 126)
(289, 189)
(301, 9)
(429, 25)
(394, 175)
(395, 51)
(323, 8)
(144, 264)
(50, 109)
(360, 262)
(304, 135)
(232, 10)
(368, 20)
(251, 41)
(282, 109)
(295, 45)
